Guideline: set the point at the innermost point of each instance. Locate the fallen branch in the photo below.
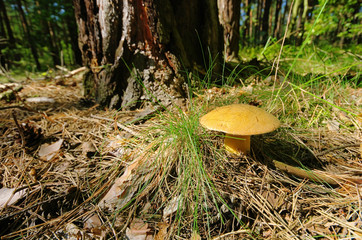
(121, 126)
(316, 175)
(71, 73)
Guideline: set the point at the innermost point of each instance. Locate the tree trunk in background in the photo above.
(137, 50)
(27, 34)
(5, 17)
(2, 27)
(277, 19)
(265, 21)
(293, 19)
(283, 21)
(258, 23)
(73, 33)
(301, 21)
(270, 21)
(229, 16)
(248, 27)
(43, 12)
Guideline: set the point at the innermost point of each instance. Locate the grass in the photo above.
(189, 182)
(206, 191)
(192, 168)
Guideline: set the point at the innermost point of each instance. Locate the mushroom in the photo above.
(239, 122)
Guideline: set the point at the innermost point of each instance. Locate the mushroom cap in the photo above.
(240, 119)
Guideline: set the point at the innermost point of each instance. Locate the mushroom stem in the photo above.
(237, 144)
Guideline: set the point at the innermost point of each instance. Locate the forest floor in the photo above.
(70, 170)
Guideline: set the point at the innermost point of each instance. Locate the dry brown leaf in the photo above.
(94, 225)
(172, 206)
(195, 236)
(138, 230)
(121, 191)
(123, 187)
(162, 232)
(88, 149)
(8, 196)
(333, 125)
(48, 152)
(92, 222)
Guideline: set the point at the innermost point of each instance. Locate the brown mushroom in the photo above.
(239, 122)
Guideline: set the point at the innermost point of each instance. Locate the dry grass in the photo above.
(221, 196)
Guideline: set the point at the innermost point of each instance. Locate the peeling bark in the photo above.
(135, 48)
(229, 16)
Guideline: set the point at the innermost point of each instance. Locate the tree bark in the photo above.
(257, 26)
(265, 21)
(44, 13)
(71, 25)
(27, 34)
(277, 18)
(10, 34)
(247, 26)
(293, 19)
(284, 19)
(229, 16)
(137, 50)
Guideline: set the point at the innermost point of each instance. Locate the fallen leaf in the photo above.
(138, 230)
(123, 187)
(8, 196)
(121, 191)
(88, 149)
(94, 225)
(48, 152)
(333, 125)
(195, 236)
(162, 232)
(172, 206)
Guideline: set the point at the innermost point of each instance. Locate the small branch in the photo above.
(309, 174)
(121, 126)
(336, 148)
(76, 71)
(20, 128)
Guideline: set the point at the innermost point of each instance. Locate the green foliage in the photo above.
(339, 19)
(46, 20)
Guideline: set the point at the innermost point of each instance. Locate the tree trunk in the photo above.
(71, 25)
(277, 18)
(258, 22)
(229, 16)
(27, 34)
(135, 48)
(2, 27)
(247, 27)
(10, 34)
(265, 21)
(283, 21)
(294, 18)
(301, 22)
(44, 13)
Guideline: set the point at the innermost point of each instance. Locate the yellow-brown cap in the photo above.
(240, 119)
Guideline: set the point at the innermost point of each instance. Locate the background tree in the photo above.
(229, 16)
(27, 33)
(52, 29)
(139, 49)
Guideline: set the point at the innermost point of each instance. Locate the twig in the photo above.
(231, 233)
(121, 126)
(299, 172)
(20, 128)
(76, 71)
(14, 106)
(336, 148)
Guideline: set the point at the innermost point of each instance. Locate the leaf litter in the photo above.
(87, 175)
